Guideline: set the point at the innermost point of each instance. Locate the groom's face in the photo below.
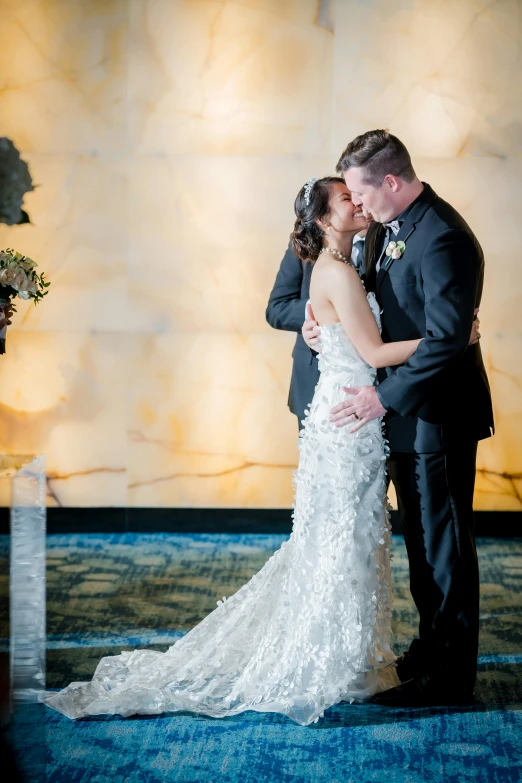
(377, 201)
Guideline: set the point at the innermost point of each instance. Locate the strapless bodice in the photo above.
(339, 354)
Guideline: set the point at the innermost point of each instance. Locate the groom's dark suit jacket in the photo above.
(441, 395)
(286, 310)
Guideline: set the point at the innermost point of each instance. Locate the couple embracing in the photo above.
(402, 388)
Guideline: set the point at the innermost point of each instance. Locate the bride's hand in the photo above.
(475, 334)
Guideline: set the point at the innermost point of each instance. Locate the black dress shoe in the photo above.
(408, 666)
(421, 692)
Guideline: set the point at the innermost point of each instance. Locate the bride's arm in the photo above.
(348, 297)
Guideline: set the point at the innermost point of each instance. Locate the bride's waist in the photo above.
(362, 375)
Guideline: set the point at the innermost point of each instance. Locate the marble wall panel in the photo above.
(208, 76)
(168, 139)
(499, 478)
(208, 234)
(63, 66)
(446, 77)
(79, 237)
(201, 407)
(487, 191)
(64, 395)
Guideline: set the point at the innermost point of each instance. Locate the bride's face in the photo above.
(344, 214)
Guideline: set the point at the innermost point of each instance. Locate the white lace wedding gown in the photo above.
(312, 627)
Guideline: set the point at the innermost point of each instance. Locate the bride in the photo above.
(312, 627)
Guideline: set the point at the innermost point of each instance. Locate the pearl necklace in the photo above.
(336, 253)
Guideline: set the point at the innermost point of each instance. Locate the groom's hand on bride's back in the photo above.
(475, 326)
(311, 330)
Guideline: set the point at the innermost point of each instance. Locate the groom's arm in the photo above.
(286, 308)
(452, 278)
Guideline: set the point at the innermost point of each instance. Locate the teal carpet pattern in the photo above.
(108, 593)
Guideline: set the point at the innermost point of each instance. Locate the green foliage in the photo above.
(18, 277)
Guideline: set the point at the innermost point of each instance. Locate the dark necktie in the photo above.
(358, 255)
(392, 229)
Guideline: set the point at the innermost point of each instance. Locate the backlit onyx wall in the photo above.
(168, 139)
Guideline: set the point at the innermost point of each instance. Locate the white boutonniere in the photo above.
(395, 249)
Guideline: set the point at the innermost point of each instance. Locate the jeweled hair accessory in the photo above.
(308, 189)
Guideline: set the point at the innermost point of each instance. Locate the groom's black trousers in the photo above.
(435, 502)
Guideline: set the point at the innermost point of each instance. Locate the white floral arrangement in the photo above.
(18, 277)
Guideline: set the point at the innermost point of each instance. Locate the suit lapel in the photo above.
(414, 216)
(387, 261)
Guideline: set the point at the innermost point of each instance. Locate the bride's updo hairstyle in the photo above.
(311, 204)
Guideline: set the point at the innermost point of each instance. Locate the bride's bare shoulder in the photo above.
(342, 274)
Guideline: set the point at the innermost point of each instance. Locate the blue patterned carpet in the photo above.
(112, 592)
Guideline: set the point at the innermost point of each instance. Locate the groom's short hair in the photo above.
(377, 153)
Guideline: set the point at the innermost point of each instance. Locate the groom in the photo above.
(437, 406)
